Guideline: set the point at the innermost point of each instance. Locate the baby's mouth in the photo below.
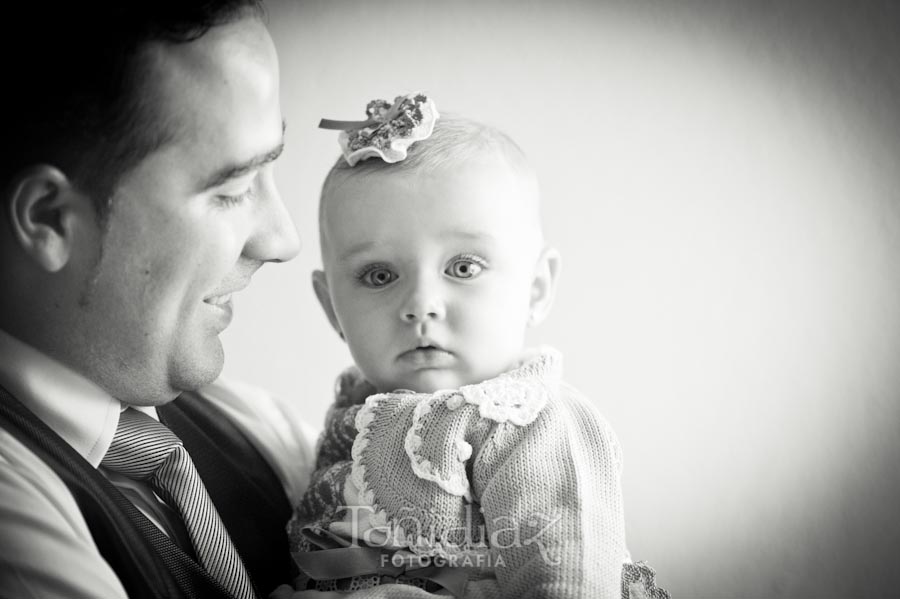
(424, 343)
(430, 349)
(427, 356)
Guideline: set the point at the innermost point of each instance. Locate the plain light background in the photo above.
(722, 181)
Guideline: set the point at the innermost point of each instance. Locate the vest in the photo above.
(245, 490)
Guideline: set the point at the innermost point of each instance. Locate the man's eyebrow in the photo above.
(239, 170)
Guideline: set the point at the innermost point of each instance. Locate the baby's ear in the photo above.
(543, 287)
(320, 286)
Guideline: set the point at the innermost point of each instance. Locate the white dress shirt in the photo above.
(46, 549)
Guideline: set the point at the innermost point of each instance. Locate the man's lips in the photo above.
(222, 297)
(221, 303)
(218, 300)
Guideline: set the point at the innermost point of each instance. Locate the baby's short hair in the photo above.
(455, 140)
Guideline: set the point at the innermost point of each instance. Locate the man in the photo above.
(138, 197)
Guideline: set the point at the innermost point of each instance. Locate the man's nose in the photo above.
(274, 237)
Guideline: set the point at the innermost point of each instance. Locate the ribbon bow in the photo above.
(333, 560)
(389, 129)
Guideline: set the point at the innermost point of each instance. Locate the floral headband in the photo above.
(389, 130)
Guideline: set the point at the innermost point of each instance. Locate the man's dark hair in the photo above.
(73, 83)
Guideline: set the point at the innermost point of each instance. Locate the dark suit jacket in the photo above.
(245, 490)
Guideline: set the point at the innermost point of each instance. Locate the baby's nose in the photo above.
(422, 307)
(424, 315)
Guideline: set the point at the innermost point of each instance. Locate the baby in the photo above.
(453, 458)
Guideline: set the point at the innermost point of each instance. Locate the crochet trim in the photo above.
(456, 483)
(515, 397)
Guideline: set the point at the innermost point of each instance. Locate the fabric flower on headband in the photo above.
(389, 130)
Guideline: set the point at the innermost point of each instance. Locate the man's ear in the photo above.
(43, 207)
(543, 287)
(320, 286)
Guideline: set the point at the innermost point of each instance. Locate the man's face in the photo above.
(190, 224)
(430, 277)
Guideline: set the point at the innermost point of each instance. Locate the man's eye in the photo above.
(465, 267)
(247, 189)
(235, 199)
(377, 277)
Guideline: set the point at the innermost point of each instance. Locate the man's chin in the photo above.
(198, 370)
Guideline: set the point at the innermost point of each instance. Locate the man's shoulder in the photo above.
(20, 465)
(273, 424)
(255, 409)
(41, 523)
(30, 491)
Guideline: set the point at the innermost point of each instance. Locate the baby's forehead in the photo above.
(490, 167)
(497, 184)
(484, 198)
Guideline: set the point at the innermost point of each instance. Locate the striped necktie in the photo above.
(146, 450)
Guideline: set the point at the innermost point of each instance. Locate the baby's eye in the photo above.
(465, 267)
(378, 276)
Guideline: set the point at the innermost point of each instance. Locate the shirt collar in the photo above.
(77, 409)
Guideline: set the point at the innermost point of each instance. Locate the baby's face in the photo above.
(430, 276)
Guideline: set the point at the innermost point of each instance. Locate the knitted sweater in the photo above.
(518, 475)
